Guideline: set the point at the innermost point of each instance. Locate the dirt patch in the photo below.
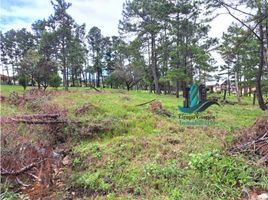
(258, 196)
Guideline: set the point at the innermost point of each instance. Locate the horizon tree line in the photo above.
(170, 49)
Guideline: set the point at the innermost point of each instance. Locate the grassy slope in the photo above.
(146, 155)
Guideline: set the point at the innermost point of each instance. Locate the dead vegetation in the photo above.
(86, 108)
(147, 102)
(254, 141)
(31, 156)
(126, 98)
(28, 163)
(28, 96)
(157, 108)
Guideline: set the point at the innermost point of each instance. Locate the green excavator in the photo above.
(196, 99)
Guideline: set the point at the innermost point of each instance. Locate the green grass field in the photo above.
(147, 155)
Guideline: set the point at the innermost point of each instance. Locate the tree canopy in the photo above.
(164, 46)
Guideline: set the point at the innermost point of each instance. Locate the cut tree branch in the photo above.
(29, 121)
(4, 172)
(39, 116)
(145, 102)
(91, 86)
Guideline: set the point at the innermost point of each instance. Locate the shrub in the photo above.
(23, 81)
(54, 80)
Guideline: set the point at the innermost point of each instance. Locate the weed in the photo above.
(226, 174)
(93, 181)
(9, 195)
(77, 162)
(96, 151)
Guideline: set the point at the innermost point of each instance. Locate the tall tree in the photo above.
(144, 17)
(4, 55)
(255, 22)
(8, 51)
(95, 41)
(63, 24)
(77, 55)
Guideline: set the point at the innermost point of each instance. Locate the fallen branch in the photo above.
(39, 116)
(145, 102)
(35, 177)
(4, 172)
(91, 127)
(29, 121)
(94, 88)
(36, 122)
(264, 159)
(21, 183)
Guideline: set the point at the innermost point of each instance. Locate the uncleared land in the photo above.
(125, 151)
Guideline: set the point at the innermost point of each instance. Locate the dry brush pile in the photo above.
(253, 142)
(30, 154)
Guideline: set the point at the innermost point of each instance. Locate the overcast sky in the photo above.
(104, 14)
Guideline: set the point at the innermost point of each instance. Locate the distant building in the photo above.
(218, 86)
(4, 79)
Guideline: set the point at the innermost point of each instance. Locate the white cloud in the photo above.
(104, 14)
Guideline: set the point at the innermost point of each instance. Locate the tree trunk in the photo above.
(224, 94)
(9, 82)
(237, 88)
(128, 86)
(229, 83)
(102, 81)
(32, 80)
(72, 77)
(260, 69)
(178, 41)
(13, 71)
(67, 75)
(65, 84)
(254, 98)
(98, 78)
(154, 69)
(151, 88)
(177, 89)
(85, 78)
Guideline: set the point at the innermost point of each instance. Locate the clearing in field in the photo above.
(84, 144)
